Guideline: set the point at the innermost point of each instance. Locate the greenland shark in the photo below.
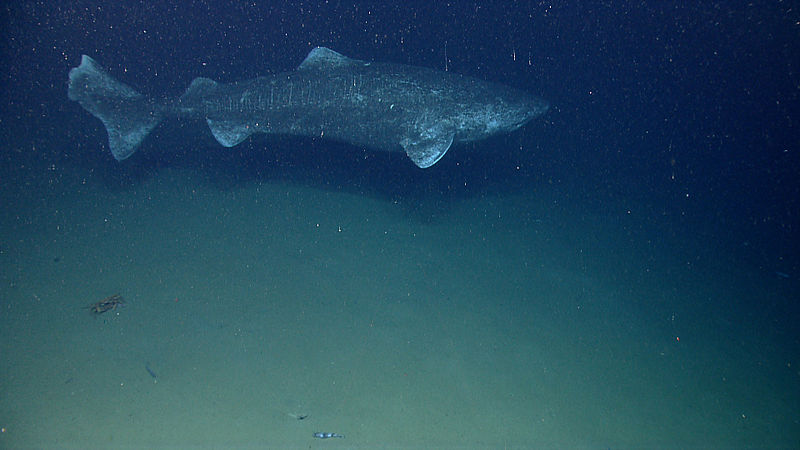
(383, 106)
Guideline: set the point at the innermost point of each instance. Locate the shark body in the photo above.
(384, 106)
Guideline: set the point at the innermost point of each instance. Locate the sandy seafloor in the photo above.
(495, 321)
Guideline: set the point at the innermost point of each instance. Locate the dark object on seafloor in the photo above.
(150, 371)
(107, 304)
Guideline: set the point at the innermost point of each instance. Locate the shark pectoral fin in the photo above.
(425, 152)
(228, 133)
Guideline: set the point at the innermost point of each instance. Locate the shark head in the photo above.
(517, 109)
(504, 111)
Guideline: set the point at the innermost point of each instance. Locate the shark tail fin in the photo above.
(127, 115)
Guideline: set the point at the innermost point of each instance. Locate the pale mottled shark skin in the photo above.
(383, 106)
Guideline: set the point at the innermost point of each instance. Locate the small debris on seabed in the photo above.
(106, 304)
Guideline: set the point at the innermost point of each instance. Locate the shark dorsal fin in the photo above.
(322, 57)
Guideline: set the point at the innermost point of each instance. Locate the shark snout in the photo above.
(527, 110)
(539, 106)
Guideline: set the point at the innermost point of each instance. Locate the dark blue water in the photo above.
(674, 124)
(688, 107)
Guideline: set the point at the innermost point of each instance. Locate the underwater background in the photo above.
(622, 272)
